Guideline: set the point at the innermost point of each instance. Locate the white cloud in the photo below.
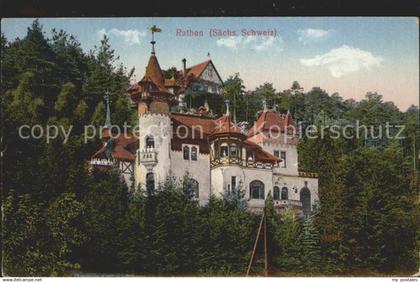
(230, 42)
(258, 44)
(312, 34)
(130, 36)
(344, 60)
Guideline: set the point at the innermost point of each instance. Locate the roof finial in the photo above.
(154, 29)
(108, 112)
(227, 107)
(264, 105)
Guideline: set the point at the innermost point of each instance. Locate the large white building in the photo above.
(217, 154)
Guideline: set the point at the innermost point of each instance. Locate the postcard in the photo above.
(224, 146)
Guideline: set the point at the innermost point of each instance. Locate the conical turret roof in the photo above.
(154, 72)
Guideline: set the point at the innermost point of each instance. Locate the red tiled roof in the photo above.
(182, 128)
(260, 154)
(207, 127)
(154, 78)
(171, 83)
(271, 120)
(124, 148)
(197, 70)
(191, 120)
(153, 72)
(224, 125)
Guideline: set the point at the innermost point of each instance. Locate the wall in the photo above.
(199, 170)
(221, 177)
(295, 183)
(291, 156)
(159, 126)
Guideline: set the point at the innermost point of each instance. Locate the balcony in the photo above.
(148, 158)
(252, 164)
(294, 204)
(102, 162)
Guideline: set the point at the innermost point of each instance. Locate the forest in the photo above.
(60, 220)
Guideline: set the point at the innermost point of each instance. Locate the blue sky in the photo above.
(350, 56)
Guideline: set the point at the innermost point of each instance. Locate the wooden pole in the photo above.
(255, 244)
(265, 246)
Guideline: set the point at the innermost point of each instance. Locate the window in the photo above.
(256, 190)
(193, 187)
(194, 153)
(233, 183)
(233, 150)
(283, 157)
(186, 152)
(305, 198)
(150, 182)
(284, 193)
(224, 150)
(150, 142)
(276, 193)
(276, 154)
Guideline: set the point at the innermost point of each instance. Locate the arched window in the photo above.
(150, 142)
(193, 187)
(256, 190)
(186, 152)
(150, 182)
(284, 193)
(305, 198)
(233, 150)
(276, 193)
(194, 153)
(224, 150)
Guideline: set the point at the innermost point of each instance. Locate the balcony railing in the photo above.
(102, 162)
(288, 204)
(254, 164)
(148, 157)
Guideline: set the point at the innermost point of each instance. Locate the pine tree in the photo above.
(311, 256)
(287, 244)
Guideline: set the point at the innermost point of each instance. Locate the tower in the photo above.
(227, 154)
(153, 102)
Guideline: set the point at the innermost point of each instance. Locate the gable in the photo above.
(210, 74)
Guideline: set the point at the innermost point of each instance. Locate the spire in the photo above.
(153, 46)
(264, 105)
(154, 29)
(227, 107)
(108, 112)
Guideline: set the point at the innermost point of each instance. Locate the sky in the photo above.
(348, 55)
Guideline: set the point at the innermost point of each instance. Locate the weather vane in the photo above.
(154, 29)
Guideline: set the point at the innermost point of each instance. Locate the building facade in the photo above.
(217, 155)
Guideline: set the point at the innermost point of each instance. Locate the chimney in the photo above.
(184, 65)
